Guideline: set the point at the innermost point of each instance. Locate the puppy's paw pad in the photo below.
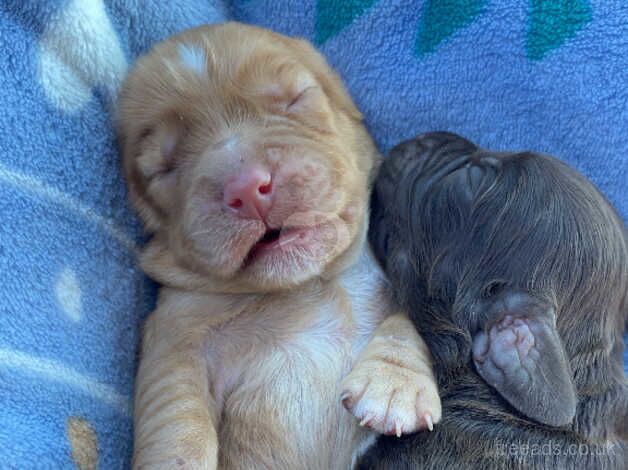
(391, 399)
(508, 348)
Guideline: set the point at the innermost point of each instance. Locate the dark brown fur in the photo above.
(454, 241)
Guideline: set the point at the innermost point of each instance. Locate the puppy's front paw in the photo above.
(390, 396)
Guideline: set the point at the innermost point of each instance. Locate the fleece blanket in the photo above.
(548, 75)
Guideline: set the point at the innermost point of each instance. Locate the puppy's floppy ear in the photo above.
(521, 355)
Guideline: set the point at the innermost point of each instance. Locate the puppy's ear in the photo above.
(520, 354)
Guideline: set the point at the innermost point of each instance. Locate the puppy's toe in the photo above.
(390, 398)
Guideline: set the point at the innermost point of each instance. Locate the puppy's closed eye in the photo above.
(158, 150)
(309, 105)
(295, 92)
(304, 98)
(493, 289)
(158, 147)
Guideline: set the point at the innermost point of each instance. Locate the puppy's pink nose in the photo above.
(250, 193)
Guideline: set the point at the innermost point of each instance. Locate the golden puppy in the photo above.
(249, 165)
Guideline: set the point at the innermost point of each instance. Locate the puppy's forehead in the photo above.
(193, 57)
(229, 55)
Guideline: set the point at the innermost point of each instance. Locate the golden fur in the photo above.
(243, 360)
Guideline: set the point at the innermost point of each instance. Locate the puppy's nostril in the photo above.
(249, 193)
(265, 189)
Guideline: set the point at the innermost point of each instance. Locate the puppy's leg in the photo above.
(174, 412)
(391, 388)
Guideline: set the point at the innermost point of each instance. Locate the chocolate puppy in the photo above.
(514, 269)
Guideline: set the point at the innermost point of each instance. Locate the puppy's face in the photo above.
(245, 156)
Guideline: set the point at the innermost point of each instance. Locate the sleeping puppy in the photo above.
(514, 269)
(250, 167)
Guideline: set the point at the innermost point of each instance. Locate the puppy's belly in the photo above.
(281, 405)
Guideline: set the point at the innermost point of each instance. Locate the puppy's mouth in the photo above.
(271, 236)
(276, 240)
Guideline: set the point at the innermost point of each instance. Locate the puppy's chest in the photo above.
(276, 375)
(286, 350)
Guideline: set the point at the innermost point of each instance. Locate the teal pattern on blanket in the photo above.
(552, 22)
(441, 19)
(332, 16)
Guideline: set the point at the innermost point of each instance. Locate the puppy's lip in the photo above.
(277, 240)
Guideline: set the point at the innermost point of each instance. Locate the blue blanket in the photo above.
(550, 75)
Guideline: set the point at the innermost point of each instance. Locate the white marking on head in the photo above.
(193, 58)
